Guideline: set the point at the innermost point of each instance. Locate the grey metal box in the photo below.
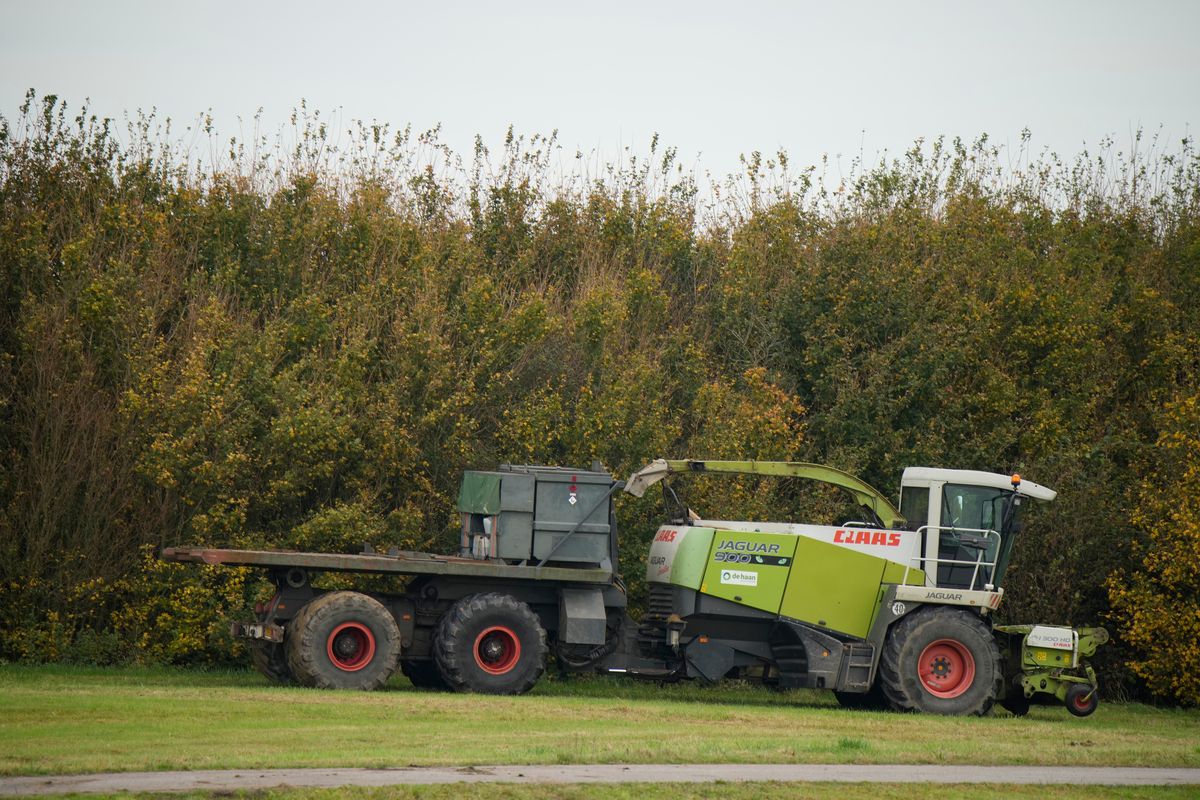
(515, 541)
(567, 500)
(582, 618)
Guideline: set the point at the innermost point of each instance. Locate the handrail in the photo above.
(924, 561)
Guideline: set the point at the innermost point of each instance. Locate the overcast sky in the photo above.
(713, 79)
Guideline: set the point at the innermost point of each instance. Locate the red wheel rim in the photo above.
(947, 668)
(350, 646)
(497, 650)
(1083, 700)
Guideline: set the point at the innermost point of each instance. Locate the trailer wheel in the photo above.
(1082, 699)
(343, 640)
(270, 659)
(423, 674)
(492, 644)
(941, 660)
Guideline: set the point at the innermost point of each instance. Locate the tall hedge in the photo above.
(304, 345)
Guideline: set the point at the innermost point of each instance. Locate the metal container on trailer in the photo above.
(523, 513)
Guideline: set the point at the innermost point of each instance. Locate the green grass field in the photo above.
(72, 720)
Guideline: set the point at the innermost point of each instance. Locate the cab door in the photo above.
(921, 505)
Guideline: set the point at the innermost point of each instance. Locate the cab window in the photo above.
(972, 507)
(914, 506)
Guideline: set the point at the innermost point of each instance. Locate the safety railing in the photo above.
(978, 564)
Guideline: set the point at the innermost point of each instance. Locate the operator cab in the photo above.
(968, 520)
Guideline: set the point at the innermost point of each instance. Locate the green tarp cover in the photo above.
(480, 493)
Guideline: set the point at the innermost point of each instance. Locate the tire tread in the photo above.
(270, 659)
(903, 691)
(303, 648)
(448, 640)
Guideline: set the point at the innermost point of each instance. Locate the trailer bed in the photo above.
(403, 562)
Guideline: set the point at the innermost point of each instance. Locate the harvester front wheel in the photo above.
(343, 640)
(941, 660)
(270, 659)
(490, 643)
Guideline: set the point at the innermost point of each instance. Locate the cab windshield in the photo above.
(981, 508)
(973, 507)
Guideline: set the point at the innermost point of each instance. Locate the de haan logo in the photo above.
(737, 577)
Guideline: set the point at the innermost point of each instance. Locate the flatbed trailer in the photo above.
(483, 620)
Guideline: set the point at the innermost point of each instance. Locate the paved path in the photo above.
(224, 780)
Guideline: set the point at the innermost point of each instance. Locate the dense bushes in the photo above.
(306, 350)
(1157, 595)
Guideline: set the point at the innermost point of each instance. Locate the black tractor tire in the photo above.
(1014, 700)
(423, 674)
(871, 700)
(270, 659)
(941, 660)
(343, 640)
(490, 643)
(1082, 699)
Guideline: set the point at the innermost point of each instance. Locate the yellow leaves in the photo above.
(178, 613)
(750, 419)
(1158, 603)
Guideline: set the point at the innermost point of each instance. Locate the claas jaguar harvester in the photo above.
(890, 610)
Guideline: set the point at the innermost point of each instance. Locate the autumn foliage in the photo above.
(1157, 597)
(303, 346)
